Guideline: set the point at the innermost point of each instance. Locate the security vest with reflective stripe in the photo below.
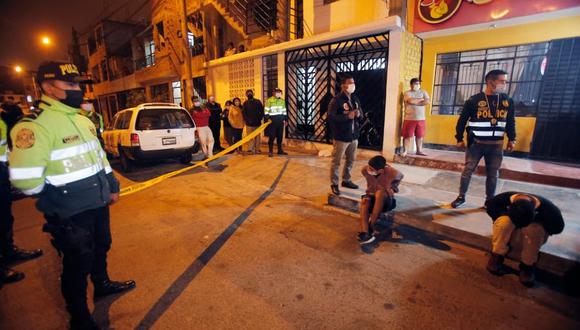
(275, 107)
(3, 141)
(487, 118)
(57, 155)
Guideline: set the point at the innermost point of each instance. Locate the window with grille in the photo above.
(269, 75)
(460, 75)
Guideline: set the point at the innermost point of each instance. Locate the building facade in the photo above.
(304, 46)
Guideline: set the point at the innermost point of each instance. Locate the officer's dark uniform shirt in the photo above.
(488, 118)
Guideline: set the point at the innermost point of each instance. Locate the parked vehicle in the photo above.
(151, 131)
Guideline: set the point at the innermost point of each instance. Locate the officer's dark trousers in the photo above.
(6, 218)
(275, 132)
(78, 263)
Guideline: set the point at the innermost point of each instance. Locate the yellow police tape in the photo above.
(144, 185)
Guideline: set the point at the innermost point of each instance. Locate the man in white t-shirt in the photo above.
(414, 124)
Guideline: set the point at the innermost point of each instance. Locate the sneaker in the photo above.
(460, 200)
(349, 184)
(335, 189)
(258, 152)
(495, 264)
(282, 153)
(366, 242)
(527, 276)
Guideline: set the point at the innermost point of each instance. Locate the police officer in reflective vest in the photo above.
(489, 116)
(57, 158)
(275, 110)
(9, 253)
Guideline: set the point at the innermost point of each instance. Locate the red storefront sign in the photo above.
(443, 14)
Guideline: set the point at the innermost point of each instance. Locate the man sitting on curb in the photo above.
(382, 184)
(521, 222)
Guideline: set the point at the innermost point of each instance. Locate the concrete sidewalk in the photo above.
(512, 168)
(423, 203)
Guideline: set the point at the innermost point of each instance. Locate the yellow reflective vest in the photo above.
(57, 156)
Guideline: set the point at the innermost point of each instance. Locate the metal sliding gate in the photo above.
(312, 79)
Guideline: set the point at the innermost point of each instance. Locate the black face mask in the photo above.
(250, 96)
(73, 98)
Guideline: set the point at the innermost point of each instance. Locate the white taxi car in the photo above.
(151, 131)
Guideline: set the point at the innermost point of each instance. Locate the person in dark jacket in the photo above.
(522, 222)
(215, 122)
(489, 116)
(253, 112)
(228, 133)
(345, 117)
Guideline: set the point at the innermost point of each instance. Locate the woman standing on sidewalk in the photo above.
(228, 133)
(236, 119)
(201, 118)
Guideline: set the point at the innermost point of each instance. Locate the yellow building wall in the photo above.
(342, 14)
(441, 128)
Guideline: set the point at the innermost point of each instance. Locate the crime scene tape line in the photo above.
(144, 185)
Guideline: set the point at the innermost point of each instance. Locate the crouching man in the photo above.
(522, 222)
(382, 184)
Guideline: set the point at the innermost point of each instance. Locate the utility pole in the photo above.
(188, 88)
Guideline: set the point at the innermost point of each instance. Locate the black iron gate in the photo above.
(312, 79)
(557, 132)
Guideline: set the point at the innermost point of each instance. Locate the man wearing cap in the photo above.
(57, 158)
(275, 110)
(414, 123)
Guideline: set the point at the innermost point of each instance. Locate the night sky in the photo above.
(23, 22)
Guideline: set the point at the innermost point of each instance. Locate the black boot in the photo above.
(107, 287)
(335, 189)
(17, 254)
(9, 275)
(349, 184)
(495, 264)
(527, 276)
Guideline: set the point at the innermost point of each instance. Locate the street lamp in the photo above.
(45, 40)
(18, 69)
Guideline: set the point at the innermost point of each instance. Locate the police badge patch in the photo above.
(93, 130)
(505, 103)
(25, 139)
(493, 121)
(482, 104)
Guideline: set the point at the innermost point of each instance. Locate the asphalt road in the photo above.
(250, 244)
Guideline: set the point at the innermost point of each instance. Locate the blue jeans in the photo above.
(492, 155)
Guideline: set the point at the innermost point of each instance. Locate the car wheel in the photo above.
(196, 147)
(186, 158)
(126, 162)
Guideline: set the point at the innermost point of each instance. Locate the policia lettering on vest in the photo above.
(58, 159)
(487, 117)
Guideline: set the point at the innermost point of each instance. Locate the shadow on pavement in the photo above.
(409, 235)
(102, 307)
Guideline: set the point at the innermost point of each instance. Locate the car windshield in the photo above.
(163, 119)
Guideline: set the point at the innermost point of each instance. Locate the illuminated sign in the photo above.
(438, 11)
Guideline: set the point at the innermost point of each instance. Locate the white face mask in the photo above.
(416, 87)
(351, 88)
(278, 95)
(499, 88)
(87, 107)
(197, 104)
(371, 172)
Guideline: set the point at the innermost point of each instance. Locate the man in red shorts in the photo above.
(414, 124)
